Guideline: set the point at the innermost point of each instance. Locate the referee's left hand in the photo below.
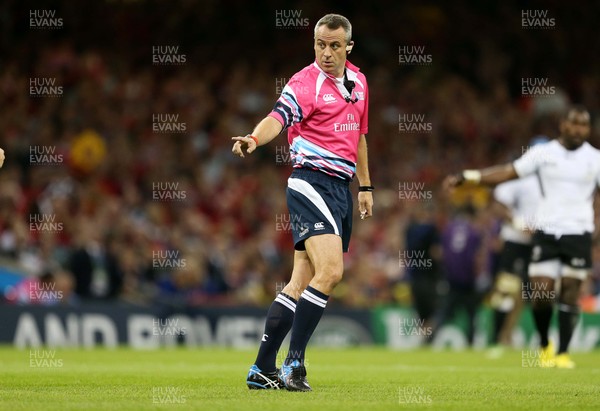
(365, 204)
(243, 143)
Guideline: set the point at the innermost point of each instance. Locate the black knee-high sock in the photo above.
(542, 316)
(310, 308)
(568, 315)
(499, 317)
(279, 321)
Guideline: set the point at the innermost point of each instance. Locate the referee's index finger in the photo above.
(240, 138)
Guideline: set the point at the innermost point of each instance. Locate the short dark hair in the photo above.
(334, 21)
(575, 108)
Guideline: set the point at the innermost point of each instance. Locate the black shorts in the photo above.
(572, 250)
(514, 259)
(319, 204)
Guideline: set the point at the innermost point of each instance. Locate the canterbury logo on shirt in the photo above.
(329, 98)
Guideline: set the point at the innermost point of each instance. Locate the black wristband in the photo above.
(366, 188)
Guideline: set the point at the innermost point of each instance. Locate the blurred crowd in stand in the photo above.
(102, 202)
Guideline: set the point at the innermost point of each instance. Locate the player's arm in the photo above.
(501, 210)
(365, 198)
(488, 176)
(1, 157)
(263, 133)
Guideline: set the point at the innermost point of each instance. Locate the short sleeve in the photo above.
(364, 120)
(530, 162)
(295, 103)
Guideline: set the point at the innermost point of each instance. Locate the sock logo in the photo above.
(264, 338)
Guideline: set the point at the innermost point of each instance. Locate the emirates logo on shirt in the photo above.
(350, 125)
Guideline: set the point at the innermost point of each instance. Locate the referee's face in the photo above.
(330, 50)
(576, 128)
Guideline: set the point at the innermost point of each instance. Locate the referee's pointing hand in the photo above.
(243, 143)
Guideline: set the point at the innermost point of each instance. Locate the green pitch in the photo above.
(357, 379)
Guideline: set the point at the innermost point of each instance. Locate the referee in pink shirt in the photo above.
(324, 108)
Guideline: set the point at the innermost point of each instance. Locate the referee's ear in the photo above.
(349, 47)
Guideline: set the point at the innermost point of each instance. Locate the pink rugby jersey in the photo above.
(323, 120)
